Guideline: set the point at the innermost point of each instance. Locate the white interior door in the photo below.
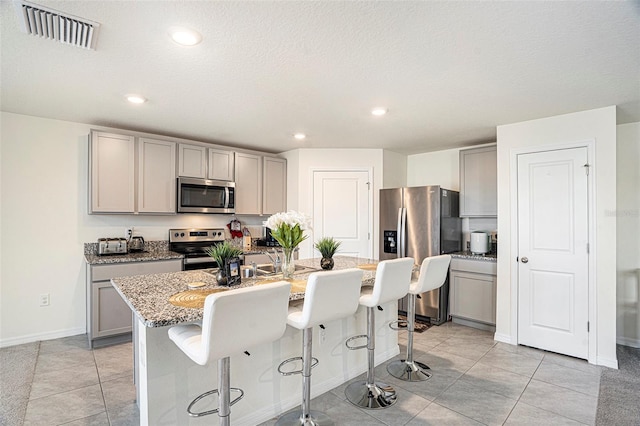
(342, 210)
(553, 271)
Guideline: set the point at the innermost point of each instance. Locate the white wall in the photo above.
(394, 169)
(598, 125)
(44, 225)
(628, 234)
(435, 168)
(308, 160)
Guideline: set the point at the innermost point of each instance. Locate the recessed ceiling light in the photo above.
(379, 111)
(185, 36)
(300, 136)
(136, 99)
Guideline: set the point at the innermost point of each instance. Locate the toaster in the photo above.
(112, 246)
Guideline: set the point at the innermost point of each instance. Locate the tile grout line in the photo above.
(523, 391)
(450, 385)
(104, 401)
(35, 365)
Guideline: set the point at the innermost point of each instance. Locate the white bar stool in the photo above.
(233, 321)
(433, 273)
(392, 283)
(329, 296)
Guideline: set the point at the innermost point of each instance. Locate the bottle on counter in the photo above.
(246, 239)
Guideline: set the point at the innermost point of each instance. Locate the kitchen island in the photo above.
(167, 380)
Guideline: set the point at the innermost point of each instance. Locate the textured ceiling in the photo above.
(449, 72)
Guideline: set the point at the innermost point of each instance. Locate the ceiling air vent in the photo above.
(54, 25)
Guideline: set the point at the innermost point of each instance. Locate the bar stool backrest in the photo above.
(433, 273)
(236, 320)
(330, 295)
(392, 281)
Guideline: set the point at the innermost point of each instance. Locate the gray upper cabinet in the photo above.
(478, 182)
(111, 173)
(248, 183)
(156, 176)
(274, 185)
(197, 161)
(221, 165)
(261, 184)
(192, 161)
(131, 175)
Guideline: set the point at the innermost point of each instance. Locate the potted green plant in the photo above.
(327, 247)
(221, 253)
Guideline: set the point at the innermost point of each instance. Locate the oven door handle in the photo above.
(226, 197)
(195, 260)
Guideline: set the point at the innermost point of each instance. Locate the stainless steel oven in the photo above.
(192, 242)
(206, 196)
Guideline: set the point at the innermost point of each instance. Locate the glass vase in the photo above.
(288, 267)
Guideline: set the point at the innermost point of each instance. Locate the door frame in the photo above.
(590, 145)
(372, 188)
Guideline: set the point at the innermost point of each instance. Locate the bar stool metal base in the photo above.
(296, 418)
(370, 395)
(413, 371)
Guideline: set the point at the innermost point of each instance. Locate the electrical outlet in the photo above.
(44, 299)
(128, 233)
(323, 336)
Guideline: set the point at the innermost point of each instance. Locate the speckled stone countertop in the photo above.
(489, 257)
(154, 250)
(148, 295)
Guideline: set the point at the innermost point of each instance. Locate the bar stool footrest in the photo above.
(395, 325)
(360, 336)
(314, 362)
(214, 411)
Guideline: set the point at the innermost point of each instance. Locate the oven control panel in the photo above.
(196, 235)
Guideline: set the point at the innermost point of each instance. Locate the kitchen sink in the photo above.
(267, 269)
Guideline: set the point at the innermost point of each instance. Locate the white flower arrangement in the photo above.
(288, 228)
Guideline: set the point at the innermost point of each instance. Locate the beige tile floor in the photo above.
(475, 381)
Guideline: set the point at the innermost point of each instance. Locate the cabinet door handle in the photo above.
(524, 260)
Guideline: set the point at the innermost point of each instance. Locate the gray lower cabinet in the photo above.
(108, 316)
(473, 292)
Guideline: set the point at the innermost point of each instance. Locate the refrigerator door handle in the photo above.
(403, 232)
(399, 232)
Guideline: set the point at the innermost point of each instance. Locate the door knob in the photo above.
(525, 260)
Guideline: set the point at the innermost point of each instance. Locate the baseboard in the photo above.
(317, 389)
(30, 338)
(625, 341)
(473, 324)
(504, 338)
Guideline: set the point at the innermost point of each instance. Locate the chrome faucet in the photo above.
(277, 263)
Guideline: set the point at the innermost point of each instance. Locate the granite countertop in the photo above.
(489, 257)
(148, 295)
(153, 250)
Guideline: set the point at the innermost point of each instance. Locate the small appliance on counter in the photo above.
(479, 243)
(268, 240)
(112, 246)
(136, 244)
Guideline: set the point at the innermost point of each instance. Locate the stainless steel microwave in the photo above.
(206, 196)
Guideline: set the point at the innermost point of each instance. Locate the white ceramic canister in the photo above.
(479, 243)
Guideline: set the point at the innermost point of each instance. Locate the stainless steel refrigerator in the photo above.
(420, 222)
